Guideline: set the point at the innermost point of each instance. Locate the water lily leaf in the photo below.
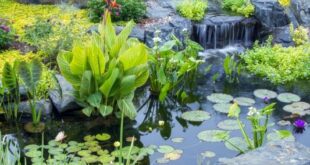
(263, 93)
(208, 154)
(73, 149)
(90, 159)
(95, 148)
(89, 138)
(284, 123)
(53, 143)
(32, 147)
(84, 153)
(103, 152)
(106, 159)
(234, 142)
(213, 135)
(229, 125)
(72, 143)
(63, 145)
(220, 98)
(280, 135)
(103, 137)
(37, 160)
(165, 149)
(174, 155)
(222, 107)
(177, 140)
(91, 143)
(244, 101)
(33, 153)
(60, 157)
(55, 151)
(288, 97)
(297, 106)
(162, 160)
(196, 116)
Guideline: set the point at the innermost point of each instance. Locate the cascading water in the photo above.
(221, 31)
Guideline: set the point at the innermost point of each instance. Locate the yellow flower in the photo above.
(285, 3)
(117, 144)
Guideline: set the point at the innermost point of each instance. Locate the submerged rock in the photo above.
(63, 98)
(273, 153)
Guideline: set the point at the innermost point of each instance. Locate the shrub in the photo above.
(6, 34)
(40, 30)
(192, 9)
(300, 35)
(243, 7)
(129, 10)
(278, 64)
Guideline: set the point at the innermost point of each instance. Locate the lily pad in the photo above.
(89, 138)
(73, 149)
(196, 116)
(103, 137)
(237, 142)
(84, 153)
(222, 107)
(32, 147)
(280, 135)
(265, 93)
(299, 108)
(212, 135)
(72, 143)
(288, 97)
(55, 151)
(284, 123)
(106, 159)
(177, 140)
(165, 149)
(33, 153)
(208, 154)
(90, 159)
(220, 98)
(244, 101)
(229, 125)
(29, 127)
(174, 155)
(162, 160)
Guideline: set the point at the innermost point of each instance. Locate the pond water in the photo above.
(146, 128)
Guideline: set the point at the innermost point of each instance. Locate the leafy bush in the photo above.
(40, 30)
(278, 64)
(129, 10)
(243, 7)
(172, 65)
(193, 9)
(300, 35)
(106, 70)
(6, 34)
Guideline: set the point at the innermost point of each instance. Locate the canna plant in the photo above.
(10, 91)
(31, 74)
(231, 69)
(106, 70)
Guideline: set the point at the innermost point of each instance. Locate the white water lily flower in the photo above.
(252, 111)
(60, 136)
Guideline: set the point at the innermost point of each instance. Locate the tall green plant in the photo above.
(30, 74)
(9, 151)
(10, 91)
(106, 71)
(231, 68)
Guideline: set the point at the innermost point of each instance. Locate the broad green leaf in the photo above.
(127, 107)
(86, 85)
(167, 46)
(164, 92)
(9, 78)
(88, 111)
(134, 56)
(25, 74)
(96, 60)
(142, 73)
(36, 70)
(79, 60)
(127, 85)
(161, 75)
(95, 99)
(234, 111)
(105, 110)
(63, 61)
(108, 84)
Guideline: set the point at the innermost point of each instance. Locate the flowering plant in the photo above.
(6, 34)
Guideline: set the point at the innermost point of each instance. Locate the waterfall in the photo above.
(221, 31)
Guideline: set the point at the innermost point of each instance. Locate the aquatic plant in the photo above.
(243, 7)
(299, 123)
(278, 64)
(9, 151)
(172, 66)
(31, 74)
(192, 9)
(231, 68)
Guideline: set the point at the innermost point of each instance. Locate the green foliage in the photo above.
(106, 70)
(259, 121)
(129, 10)
(231, 68)
(6, 34)
(9, 151)
(41, 30)
(31, 74)
(278, 64)
(243, 7)
(193, 9)
(300, 35)
(172, 66)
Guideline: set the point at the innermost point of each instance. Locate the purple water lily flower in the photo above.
(299, 123)
(266, 100)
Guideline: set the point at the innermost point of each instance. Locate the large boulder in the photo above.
(273, 153)
(301, 10)
(281, 35)
(63, 98)
(45, 106)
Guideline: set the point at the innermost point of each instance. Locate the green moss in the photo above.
(193, 9)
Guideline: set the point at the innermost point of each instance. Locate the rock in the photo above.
(270, 13)
(155, 10)
(273, 153)
(44, 105)
(281, 35)
(301, 10)
(63, 98)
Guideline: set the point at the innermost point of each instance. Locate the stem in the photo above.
(246, 137)
(254, 129)
(121, 137)
(240, 150)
